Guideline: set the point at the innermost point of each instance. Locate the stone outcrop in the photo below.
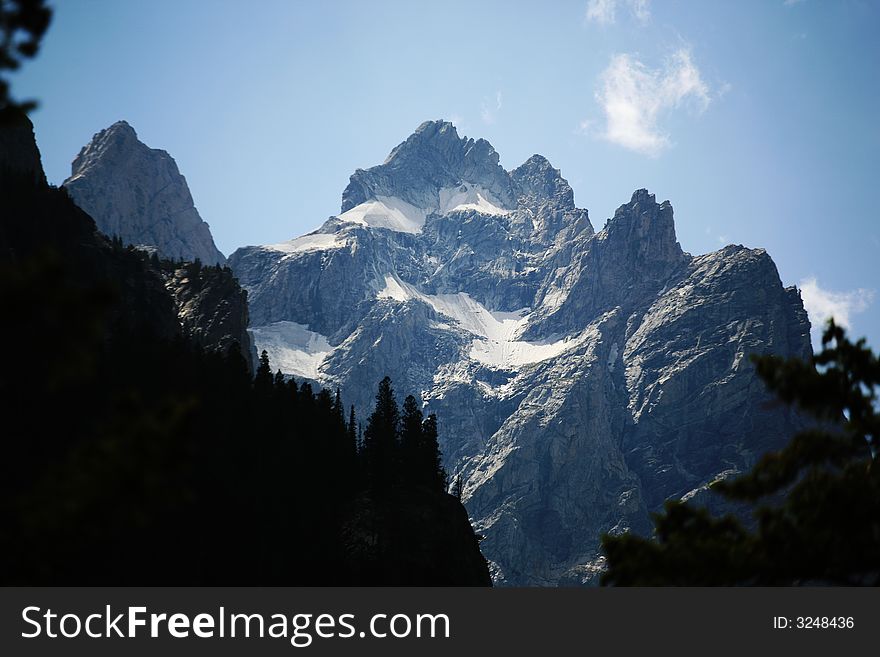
(136, 193)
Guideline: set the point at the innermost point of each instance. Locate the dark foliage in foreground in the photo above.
(22, 26)
(825, 530)
(132, 456)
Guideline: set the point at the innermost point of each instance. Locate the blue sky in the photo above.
(758, 120)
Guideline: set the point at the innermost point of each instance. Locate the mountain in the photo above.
(204, 305)
(136, 193)
(139, 448)
(581, 378)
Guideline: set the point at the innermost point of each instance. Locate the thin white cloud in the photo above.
(633, 98)
(601, 11)
(585, 127)
(721, 238)
(457, 120)
(641, 9)
(822, 304)
(792, 3)
(604, 12)
(488, 113)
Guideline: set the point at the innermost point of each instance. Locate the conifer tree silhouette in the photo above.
(816, 502)
(380, 438)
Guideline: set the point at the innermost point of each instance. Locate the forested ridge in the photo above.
(133, 456)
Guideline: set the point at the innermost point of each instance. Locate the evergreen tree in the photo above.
(339, 410)
(429, 456)
(380, 438)
(457, 488)
(352, 446)
(279, 381)
(816, 502)
(352, 429)
(263, 381)
(238, 365)
(22, 26)
(411, 442)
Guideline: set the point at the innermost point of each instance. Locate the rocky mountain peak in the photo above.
(439, 135)
(536, 178)
(582, 378)
(432, 161)
(137, 193)
(645, 228)
(642, 196)
(117, 141)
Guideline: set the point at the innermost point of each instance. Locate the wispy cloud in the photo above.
(641, 9)
(489, 111)
(633, 98)
(721, 238)
(457, 120)
(585, 127)
(604, 12)
(792, 3)
(822, 304)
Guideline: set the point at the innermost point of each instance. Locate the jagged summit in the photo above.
(429, 168)
(537, 178)
(114, 141)
(581, 378)
(642, 196)
(137, 193)
(120, 127)
(440, 135)
(434, 171)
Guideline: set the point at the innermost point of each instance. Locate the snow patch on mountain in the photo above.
(612, 356)
(469, 313)
(387, 212)
(292, 347)
(495, 332)
(469, 197)
(313, 242)
(510, 354)
(398, 215)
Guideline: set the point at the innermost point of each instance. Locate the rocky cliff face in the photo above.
(580, 378)
(136, 193)
(161, 298)
(211, 307)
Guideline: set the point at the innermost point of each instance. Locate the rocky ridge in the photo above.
(581, 378)
(156, 296)
(137, 193)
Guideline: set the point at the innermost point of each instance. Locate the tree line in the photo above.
(132, 456)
